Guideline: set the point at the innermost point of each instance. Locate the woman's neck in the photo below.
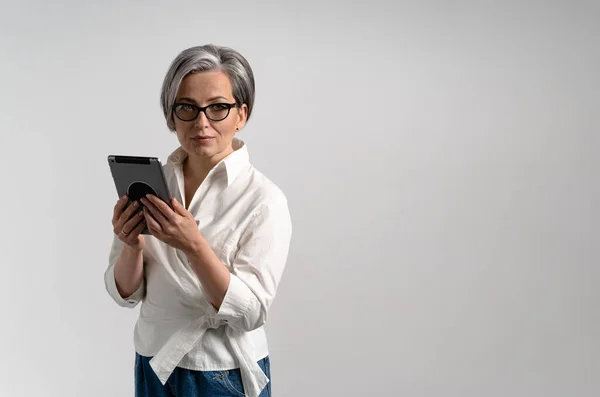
(197, 167)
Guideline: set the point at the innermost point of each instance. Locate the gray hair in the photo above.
(204, 58)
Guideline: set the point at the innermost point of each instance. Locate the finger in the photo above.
(138, 229)
(150, 221)
(125, 217)
(119, 208)
(178, 207)
(156, 212)
(129, 212)
(132, 223)
(162, 206)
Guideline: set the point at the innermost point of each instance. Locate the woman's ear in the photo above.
(242, 117)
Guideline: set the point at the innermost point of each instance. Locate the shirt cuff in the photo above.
(111, 286)
(236, 302)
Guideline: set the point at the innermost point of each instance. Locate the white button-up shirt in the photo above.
(245, 218)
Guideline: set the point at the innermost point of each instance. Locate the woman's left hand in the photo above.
(175, 227)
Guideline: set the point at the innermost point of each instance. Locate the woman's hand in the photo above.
(128, 224)
(176, 228)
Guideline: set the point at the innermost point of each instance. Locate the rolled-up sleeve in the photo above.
(110, 283)
(258, 267)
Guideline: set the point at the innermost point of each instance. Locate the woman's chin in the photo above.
(200, 150)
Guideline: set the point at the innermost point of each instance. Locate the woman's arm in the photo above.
(243, 296)
(124, 277)
(129, 270)
(211, 272)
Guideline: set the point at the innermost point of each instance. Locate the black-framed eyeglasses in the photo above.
(213, 112)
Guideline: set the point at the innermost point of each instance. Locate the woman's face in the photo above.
(203, 138)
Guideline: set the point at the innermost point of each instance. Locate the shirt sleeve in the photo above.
(110, 283)
(258, 267)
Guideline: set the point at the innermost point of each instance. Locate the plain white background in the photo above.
(440, 159)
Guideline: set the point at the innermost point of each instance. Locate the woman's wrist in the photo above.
(133, 249)
(196, 247)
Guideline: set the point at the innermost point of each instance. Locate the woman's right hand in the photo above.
(128, 224)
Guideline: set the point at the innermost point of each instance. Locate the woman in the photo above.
(208, 272)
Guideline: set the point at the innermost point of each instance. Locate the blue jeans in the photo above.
(188, 383)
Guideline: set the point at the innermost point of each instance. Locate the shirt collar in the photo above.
(233, 164)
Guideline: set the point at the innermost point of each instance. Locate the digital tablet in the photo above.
(137, 176)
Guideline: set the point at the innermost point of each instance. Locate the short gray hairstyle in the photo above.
(204, 58)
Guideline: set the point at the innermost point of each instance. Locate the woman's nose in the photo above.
(202, 120)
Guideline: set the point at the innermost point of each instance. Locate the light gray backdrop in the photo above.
(440, 159)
